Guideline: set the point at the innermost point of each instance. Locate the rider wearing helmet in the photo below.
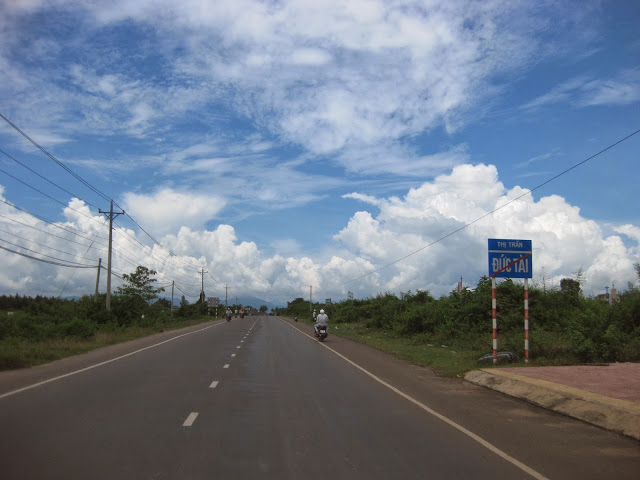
(323, 320)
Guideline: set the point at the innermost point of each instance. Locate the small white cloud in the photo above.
(631, 231)
(167, 210)
(622, 91)
(310, 57)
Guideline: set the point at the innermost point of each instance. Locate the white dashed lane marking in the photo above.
(190, 419)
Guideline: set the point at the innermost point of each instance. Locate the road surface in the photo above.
(259, 398)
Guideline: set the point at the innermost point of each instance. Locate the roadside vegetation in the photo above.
(452, 333)
(39, 330)
(448, 334)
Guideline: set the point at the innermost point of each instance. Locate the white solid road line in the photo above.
(190, 419)
(469, 433)
(29, 387)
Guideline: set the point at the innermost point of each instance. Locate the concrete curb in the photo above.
(619, 416)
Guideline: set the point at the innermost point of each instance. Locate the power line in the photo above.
(146, 249)
(39, 244)
(119, 253)
(192, 295)
(73, 273)
(495, 210)
(58, 262)
(157, 242)
(48, 196)
(87, 184)
(45, 178)
(71, 172)
(57, 225)
(41, 231)
(47, 221)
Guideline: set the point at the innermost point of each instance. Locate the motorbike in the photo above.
(322, 333)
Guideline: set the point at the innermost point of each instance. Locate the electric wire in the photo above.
(344, 283)
(212, 278)
(62, 203)
(46, 179)
(42, 231)
(190, 295)
(119, 252)
(128, 259)
(65, 205)
(87, 184)
(157, 242)
(494, 210)
(71, 172)
(75, 270)
(57, 261)
(45, 261)
(145, 248)
(39, 244)
(55, 224)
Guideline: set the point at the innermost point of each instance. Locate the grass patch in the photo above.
(19, 353)
(448, 360)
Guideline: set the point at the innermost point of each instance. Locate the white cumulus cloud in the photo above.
(167, 210)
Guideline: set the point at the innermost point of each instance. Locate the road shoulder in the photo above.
(613, 414)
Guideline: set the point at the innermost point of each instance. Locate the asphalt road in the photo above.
(259, 398)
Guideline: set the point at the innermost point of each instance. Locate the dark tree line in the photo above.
(135, 303)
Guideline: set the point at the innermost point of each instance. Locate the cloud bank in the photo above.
(425, 240)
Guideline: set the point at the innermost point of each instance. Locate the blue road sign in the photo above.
(510, 258)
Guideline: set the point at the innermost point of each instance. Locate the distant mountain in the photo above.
(250, 301)
(255, 302)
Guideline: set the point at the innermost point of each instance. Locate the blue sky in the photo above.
(286, 144)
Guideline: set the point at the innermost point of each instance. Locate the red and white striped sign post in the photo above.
(495, 320)
(510, 259)
(526, 320)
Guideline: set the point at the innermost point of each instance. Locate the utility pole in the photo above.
(173, 284)
(310, 298)
(226, 294)
(110, 215)
(202, 272)
(95, 297)
(613, 293)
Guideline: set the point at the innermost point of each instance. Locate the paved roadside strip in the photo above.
(621, 416)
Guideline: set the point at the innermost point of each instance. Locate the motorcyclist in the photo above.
(228, 314)
(323, 321)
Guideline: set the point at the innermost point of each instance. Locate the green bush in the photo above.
(83, 329)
